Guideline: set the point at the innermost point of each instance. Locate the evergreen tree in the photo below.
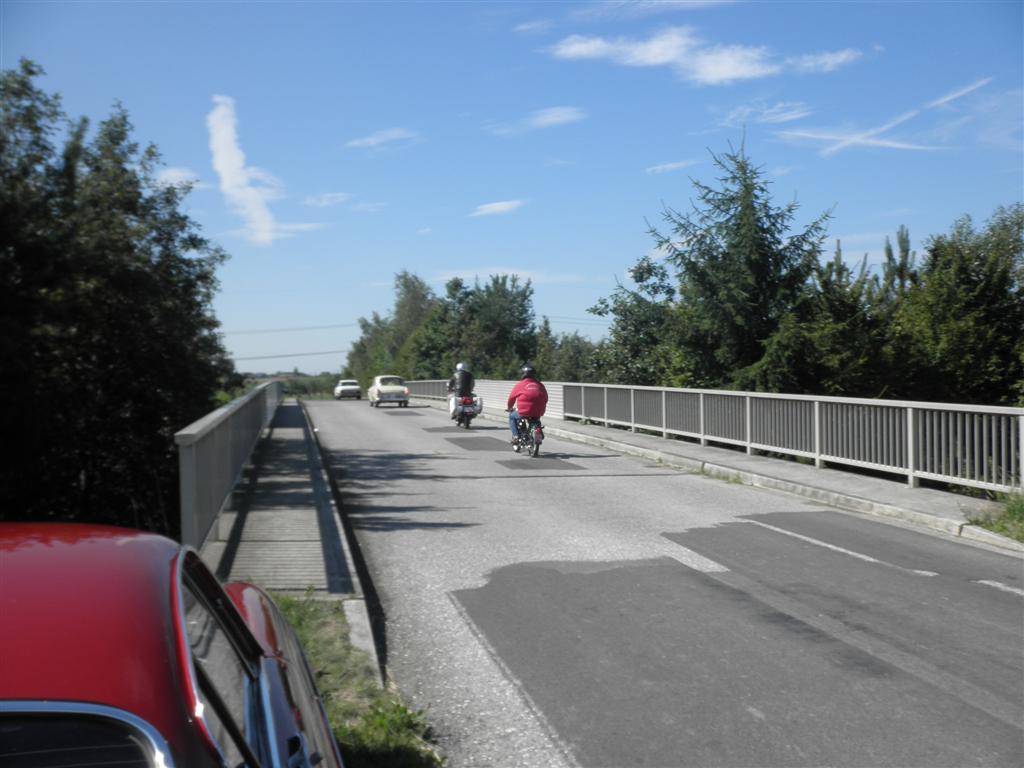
(740, 270)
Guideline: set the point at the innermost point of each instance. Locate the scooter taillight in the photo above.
(467, 401)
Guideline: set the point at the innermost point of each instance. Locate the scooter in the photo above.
(467, 408)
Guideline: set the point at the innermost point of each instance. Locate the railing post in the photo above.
(911, 449)
(747, 402)
(817, 435)
(664, 416)
(703, 439)
(605, 390)
(189, 489)
(1020, 454)
(632, 410)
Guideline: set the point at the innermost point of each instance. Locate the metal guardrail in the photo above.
(975, 446)
(213, 451)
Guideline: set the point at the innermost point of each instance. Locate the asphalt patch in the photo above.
(540, 463)
(478, 443)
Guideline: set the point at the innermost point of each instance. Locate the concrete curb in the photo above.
(356, 611)
(849, 502)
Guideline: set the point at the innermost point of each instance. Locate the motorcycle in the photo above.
(529, 436)
(466, 409)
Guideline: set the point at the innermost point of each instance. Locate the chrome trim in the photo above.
(160, 752)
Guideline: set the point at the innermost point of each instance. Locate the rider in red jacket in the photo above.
(528, 399)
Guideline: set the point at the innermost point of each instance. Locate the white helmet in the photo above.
(460, 366)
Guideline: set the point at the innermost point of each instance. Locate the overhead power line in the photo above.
(284, 330)
(295, 354)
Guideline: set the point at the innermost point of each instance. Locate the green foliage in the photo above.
(320, 386)
(490, 327)
(373, 727)
(1009, 521)
(106, 326)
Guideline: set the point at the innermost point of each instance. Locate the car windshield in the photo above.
(391, 381)
(348, 383)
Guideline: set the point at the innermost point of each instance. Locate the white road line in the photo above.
(1000, 586)
(834, 548)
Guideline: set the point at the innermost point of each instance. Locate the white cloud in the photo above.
(387, 136)
(369, 207)
(694, 59)
(533, 27)
(495, 209)
(873, 137)
(669, 167)
(843, 140)
(247, 189)
(759, 112)
(176, 177)
(954, 95)
(424, 231)
(542, 118)
(828, 61)
(327, 199)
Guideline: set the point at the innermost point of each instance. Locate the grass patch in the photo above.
(373, 727)
(1008, 521)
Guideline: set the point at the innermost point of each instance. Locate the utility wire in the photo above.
(294, 354)
(283, 330)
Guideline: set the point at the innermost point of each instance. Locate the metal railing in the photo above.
(975, 446)
(213, 451)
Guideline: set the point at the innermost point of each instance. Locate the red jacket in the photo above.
(529, 397)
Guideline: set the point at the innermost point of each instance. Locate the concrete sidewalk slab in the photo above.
(281, 529)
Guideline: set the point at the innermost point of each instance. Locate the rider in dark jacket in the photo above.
(459, 385)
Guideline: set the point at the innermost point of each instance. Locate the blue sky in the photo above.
(334, 144)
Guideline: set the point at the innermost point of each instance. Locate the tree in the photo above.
(963, 322)
(740, 270)
(106, 327)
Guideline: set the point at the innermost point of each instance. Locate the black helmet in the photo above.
(528, 372)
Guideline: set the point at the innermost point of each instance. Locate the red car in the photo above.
(119, 647)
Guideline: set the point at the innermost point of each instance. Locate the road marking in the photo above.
(691, 559)
(1000, 586)
(841, 550)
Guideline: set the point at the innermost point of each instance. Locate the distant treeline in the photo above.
(734, 298)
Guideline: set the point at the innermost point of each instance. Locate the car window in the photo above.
(391, 381)
(219, 663)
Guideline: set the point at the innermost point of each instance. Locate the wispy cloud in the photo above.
(247, 189)
(424, 231)
(759, 112)
(327, 199)
(542, 118)
(823, 62)
(382, 138)
(669, 167)
(496, 209)
(850, 139)
(874, 137)
(369, 207)
(534, 27)
(959, 93)
(176, 177)
(694, 59)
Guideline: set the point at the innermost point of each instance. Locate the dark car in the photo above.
(120, 647)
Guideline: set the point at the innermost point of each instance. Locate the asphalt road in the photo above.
(584, 608)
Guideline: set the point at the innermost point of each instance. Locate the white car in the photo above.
(347, 388)
(388, 389)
